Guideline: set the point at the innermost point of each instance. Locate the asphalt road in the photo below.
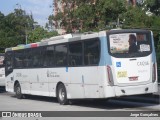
(8, 102)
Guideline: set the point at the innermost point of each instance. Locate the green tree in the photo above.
(13, 28)
(153, 6)
(40, 33)
(136, 18)
(89, 15)
(17, 26)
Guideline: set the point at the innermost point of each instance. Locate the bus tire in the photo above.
(62, 95)
(18, 92)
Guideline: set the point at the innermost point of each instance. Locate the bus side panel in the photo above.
(9, 83)
(2, 70)
(76, 86)
(96, 83)
(20, 75)
(91, 81)
(32, 81)
(38, 81)
(2, 77)
(55, 76)
(86, 82)
(52, 88)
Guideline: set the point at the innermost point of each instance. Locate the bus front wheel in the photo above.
(62, 95)
(18, 92)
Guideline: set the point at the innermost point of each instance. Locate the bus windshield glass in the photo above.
(130, 44)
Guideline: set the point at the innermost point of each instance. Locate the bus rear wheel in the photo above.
(62, 95)
(18, 92)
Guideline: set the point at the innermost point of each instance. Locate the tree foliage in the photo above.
(153, 6)
(17, 27)
(13, 28)
(93, 15)
(89, 15)
(39, 33)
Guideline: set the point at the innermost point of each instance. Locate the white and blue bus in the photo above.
(97, 65)
(2, 71)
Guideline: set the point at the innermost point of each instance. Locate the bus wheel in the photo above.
(19, 94)
(62, 95)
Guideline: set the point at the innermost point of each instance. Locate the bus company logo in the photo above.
(118, 64)
(6, 114)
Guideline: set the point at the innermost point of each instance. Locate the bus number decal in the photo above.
(121, 74)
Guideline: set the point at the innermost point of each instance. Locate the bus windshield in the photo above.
(130, 44)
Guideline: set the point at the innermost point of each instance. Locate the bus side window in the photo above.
(36, 57)
(19, 59)
(91, 52)
(49, 56)
(61, 55)
(28, 58)
(75, 54)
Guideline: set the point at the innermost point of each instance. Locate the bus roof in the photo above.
(55, 40)
(69, 38)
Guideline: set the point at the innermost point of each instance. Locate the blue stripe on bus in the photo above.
(105, 58)
(66, 69)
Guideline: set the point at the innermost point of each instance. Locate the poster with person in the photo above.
(119, 43)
